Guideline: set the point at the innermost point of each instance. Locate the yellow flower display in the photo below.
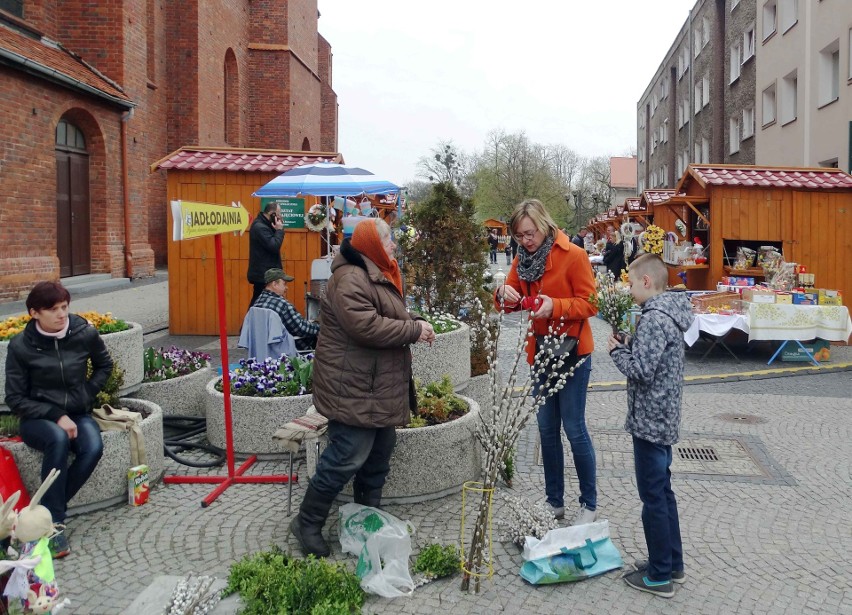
(104, 323)
(652, 240)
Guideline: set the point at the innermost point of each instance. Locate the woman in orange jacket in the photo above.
(557, 275)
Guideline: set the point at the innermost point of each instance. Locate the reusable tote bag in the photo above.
(569, 554)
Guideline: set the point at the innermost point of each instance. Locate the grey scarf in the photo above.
(531, 264)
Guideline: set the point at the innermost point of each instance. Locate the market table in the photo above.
(715, 328)
(795, 323)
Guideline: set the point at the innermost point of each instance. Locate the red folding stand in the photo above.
(234, 477)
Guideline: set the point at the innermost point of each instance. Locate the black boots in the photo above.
(307, 525)
(367, 497)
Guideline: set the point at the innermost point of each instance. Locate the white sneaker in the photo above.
(584, 516)
(558, 511)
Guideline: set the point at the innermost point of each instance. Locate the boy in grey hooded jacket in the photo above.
(653, 363)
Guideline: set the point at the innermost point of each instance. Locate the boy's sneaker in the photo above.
(59, 546)
(558, 511)
(584, 516)
(638, 580)
(678, 576)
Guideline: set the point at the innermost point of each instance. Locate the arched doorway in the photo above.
(72, 201)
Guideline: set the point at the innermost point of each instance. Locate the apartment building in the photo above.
(750, 82)
(804, 83)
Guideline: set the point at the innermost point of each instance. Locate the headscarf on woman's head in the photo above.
(366, 239)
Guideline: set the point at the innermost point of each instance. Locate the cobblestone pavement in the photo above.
(773, 538)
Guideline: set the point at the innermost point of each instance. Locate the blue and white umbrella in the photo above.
(326, 179)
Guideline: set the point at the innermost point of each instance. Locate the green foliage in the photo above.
(444, 260)
(507, 469)
(436, 561)
(112, 327)
(436, 403)
(161, 364)
(417, 421)
(441, 323)
(108, 394)
(303, 369)
(272, 582)
(9, 425)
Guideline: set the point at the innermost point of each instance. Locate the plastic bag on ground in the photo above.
(383, 546)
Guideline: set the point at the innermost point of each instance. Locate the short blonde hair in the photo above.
(535, 211)
(652, 266)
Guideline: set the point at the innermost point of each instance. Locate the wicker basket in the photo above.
(702, 303)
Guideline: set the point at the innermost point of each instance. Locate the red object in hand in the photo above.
(530, 303)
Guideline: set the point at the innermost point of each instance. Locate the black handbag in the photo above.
(565, 348)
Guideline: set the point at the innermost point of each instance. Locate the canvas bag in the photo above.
(122, 419)
(569, 554)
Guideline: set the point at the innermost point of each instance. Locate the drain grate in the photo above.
(695, 453)
(745, 419)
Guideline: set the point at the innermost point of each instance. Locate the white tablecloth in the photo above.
(780, 321)
(717, 325)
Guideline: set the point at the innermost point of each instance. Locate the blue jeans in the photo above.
(49, 438)
(659, 508)
(567, 410)
(354, 451)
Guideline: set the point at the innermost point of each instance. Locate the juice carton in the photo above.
(137, 485)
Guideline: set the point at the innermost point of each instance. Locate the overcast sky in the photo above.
(409, 74)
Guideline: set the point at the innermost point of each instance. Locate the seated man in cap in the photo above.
(272, 298)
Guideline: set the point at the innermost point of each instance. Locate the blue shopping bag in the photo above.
(570, 554)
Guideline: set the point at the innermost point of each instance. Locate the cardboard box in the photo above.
(820, 349)
(137, 485)
(757, 295)
(783, 297)
(800, 298)
(830, 297)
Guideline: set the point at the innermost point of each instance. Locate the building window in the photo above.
(697, 153)
(768, 105)
(734, 135)
(654, 103)
(770, 12)
(68, 136)
(705, 150)
(748, 123)
(788, 108)
(705, 23)
(748, 43)
(734, 4)
(788, 14)
(665, 128)
(706, 90)
(736, 61)
(16, 7)
(697, 96)
(829, 73)
(696, 41)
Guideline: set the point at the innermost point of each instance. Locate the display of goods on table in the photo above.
(717, 303)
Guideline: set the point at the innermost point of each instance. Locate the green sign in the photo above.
(292, 211)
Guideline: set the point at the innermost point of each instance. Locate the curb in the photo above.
(764, 374)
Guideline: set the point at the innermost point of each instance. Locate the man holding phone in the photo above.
(265, 238)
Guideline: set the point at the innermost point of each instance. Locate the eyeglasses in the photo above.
(526, 235)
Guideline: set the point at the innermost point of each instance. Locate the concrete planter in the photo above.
(182, 396)
(125, 348)
(428, 462)
(479, 390)
(108, 483)
(449, 354)
(254, 420)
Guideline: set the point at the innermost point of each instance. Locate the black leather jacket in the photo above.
(46, 377)
(264, 249)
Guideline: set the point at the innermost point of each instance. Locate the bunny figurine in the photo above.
(7, 514)
(34, 521)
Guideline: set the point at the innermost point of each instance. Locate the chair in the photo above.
(264, 335)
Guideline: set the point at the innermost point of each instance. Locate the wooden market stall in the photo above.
(805, 213)
(502, 231)
(223, 176)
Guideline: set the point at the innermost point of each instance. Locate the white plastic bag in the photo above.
(571, 537)
(383, 545)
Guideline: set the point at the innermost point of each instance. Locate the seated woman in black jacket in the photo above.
(47, 388)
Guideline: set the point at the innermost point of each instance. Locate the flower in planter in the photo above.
(284, 377)
(441, 323)
(104, 323)
(162, 364)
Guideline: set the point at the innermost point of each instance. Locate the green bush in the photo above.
(108, 394)
(437, 403)
(436, 561)
(272, 583)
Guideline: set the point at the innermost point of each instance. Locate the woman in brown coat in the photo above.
(362, 371)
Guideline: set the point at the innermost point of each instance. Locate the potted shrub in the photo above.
(123, 341)
(432, 458)
(264, 396)
(174, 379)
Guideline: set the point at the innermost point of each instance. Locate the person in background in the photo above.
(362, 377)
(579, 239)
(265, 238)
(613, 255)
(48, 389)
(653, 363)
(556, 272)
(493, 240)
(304, 332)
